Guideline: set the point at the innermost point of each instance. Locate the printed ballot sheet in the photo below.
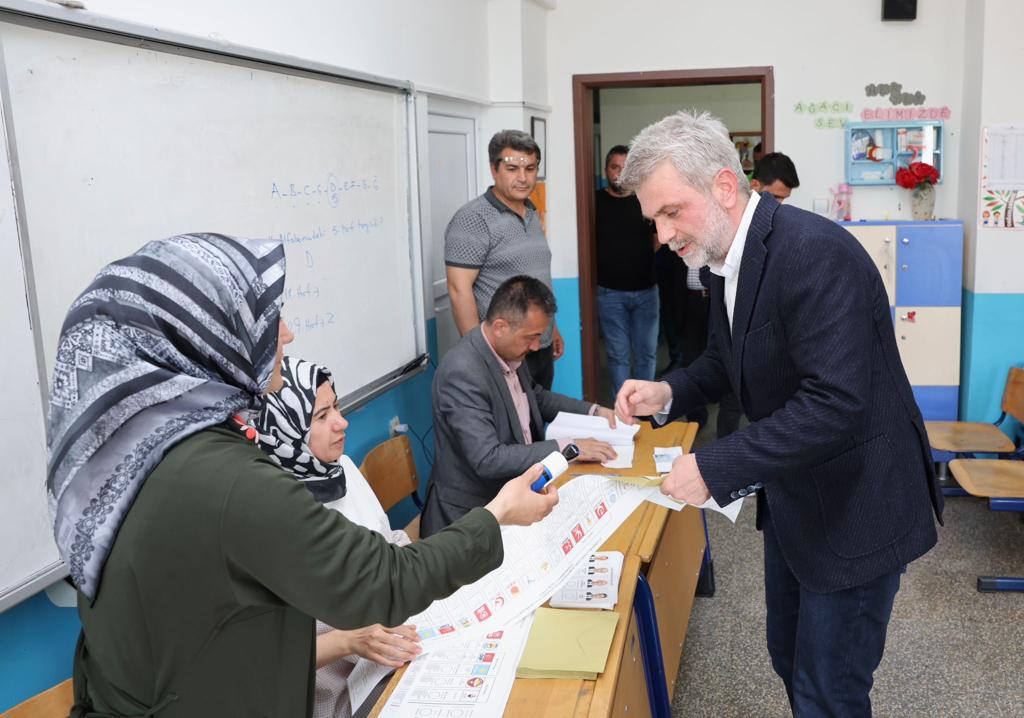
(594, 583)
(730, 510)
(363, 679)
(471, 679)
(580, 426)
(538, 559)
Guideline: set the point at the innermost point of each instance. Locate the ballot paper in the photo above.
(538, 559)
(471, 679)
(664, 456)
(730, 510)
(363, 679)
(594, 583)
(581, 426)
(623, 457)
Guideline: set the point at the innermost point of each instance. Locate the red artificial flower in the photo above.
(924, 172)
(917, 174)
(905, 178)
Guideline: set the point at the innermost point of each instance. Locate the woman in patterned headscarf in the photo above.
(198, 560)
(302, 430)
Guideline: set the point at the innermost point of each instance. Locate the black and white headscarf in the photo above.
(284, 422)
(175, 338)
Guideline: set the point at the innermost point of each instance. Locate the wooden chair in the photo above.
(1001, 481)
(390, 470)
(54, 702)
(966, 438)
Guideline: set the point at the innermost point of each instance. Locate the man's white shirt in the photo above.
(730, 271)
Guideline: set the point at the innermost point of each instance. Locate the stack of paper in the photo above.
(594, 583)
(568, 644)
(580, 426)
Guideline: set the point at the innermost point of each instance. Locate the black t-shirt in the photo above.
(625, 248)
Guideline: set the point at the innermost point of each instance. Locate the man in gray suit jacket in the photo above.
(489, 414)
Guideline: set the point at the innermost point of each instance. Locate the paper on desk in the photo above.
(664, 456)
(730, 511)
(538, 559)
(363, 679)
(581, 426)
(623, 457)
(469, 679)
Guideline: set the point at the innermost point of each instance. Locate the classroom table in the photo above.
(663, 551)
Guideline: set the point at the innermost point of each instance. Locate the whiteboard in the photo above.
(114, 143)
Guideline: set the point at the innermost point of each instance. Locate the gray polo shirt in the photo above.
(487, 235)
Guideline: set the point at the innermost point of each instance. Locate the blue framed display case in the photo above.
(875, 150)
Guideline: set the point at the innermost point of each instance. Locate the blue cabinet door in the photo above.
(938, 403)
(929, 265)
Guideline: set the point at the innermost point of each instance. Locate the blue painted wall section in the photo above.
(37, 642)
(569, 369)
(993, 341)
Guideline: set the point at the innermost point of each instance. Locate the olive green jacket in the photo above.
(207, 599)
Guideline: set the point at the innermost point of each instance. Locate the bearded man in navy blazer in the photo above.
(836, 451)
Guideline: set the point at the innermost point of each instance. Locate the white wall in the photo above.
(995, 258)
(627, 110)
(820, 51)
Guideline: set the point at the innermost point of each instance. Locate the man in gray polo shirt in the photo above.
(498, 236)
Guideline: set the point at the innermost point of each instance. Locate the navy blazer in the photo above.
(836, 445)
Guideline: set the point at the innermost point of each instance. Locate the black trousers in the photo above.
(694, 333)
(824, 646)
(541, 364)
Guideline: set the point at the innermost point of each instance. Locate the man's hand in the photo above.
(557, 343)
(594, 450)
(641, 398)
(608, 415)
(518, 505)
(684, 482)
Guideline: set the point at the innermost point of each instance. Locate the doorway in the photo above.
(452, 176)
(589, 169)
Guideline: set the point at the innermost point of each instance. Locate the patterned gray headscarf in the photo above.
(162, 344)
(283, 424)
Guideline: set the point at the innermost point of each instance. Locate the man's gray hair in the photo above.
(697, 145)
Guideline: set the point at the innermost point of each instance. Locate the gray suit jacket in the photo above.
(478, 440)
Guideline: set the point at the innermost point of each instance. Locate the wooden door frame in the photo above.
(583, 87)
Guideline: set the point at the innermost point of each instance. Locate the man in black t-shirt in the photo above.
(627, 296)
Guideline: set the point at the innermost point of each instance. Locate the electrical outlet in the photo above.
(393, 427)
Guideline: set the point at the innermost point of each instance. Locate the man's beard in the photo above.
(615, 187)
(715, 238)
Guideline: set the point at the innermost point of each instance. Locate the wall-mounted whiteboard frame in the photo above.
(80, 24)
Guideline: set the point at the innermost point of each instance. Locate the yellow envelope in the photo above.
(568, 643)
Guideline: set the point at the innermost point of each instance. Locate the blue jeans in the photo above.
(824, 646)
(629, 323)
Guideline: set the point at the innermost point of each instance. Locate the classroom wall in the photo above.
(821, 52)
(627, 110)
(993, 328)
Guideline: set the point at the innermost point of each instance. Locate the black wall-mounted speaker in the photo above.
(899, 9)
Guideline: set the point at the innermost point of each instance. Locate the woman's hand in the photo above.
(386, 646)
(519, 505)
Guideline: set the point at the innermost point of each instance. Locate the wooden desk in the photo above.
(668, 547)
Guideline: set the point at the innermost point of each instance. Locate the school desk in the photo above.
(663, 551)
